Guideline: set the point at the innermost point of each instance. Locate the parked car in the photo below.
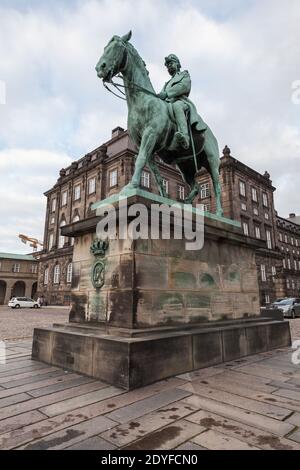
(289, 306)
(18, 302)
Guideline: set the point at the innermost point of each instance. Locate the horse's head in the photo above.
(113, 58)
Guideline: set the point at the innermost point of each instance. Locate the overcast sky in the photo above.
(243, 56)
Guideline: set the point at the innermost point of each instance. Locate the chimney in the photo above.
(116, 132)
(291, 216)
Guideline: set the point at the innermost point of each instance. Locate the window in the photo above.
(273, 272)
(53, 205)
(69, 273)
(265, 199)
(34, 268)
(52, 220)
(16, 268)
(204, 190)
(166, 185)
(257, 231)
(206, 207)
(254, 194)
(266, 216)
(299, 264)
(77, 192)
(64, 198)
(289, 263)
(295, 265)
(92, 185)
(292, 241)
(297, 243)
(113, 178)
(61, 240)
(267, 299)
(246, 228)
(269, 239)
(46, 276)
(243, 206)
(263, 272)
(285, 238)
(242, 188)
(51, 239)
(180, 192)
(145, 179)
(284, 263)
(0, 265)
(288, 283)
(280, 236)
(56, 276)
(255, 211)
(293, 284)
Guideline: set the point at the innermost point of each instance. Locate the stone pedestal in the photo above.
(152, 309)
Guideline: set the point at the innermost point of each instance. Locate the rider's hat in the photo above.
(171, 58)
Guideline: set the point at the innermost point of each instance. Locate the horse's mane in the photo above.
(133, 50)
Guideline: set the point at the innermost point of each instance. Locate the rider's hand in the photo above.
(162, 95)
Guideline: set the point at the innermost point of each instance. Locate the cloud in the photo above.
(242, 56)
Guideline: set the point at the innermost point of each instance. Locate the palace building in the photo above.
(247, 196)
(18, 276)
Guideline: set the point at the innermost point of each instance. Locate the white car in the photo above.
(17, 302)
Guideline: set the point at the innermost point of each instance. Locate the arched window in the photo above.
(76, 218)
(46, 276)
(61, 240)
(56, 276)
(69, 273)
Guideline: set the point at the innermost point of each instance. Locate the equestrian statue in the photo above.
(166, 124)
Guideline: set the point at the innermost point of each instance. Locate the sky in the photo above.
(243, 57)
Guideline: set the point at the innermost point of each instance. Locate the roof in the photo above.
(295, 220)
(17, 256)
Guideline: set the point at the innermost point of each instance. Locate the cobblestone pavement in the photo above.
(19, 324)
(251, 403)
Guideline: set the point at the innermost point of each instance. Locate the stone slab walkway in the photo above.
(252, 403)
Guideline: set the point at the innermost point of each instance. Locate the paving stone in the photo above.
(230, 383)
(294, 419)
(294, 395)
(64, 379)
(14, 399)
(82, 400)
(21, 369)
(24, 375)
(147, 405)
(167, 438)
(241, 431)
(72, 435)
(40, 392)
(28, 433)
(260, 370)
(287, 385)
(215, 440)
(16, 422)
(136, 428)
(94, 443)
(189, 445)
(295, 436)
(201, 373)
(247, 417)
(36, 403)
(238, 401)
(30, 380)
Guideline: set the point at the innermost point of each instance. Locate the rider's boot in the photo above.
(182, 139)
(182, 135)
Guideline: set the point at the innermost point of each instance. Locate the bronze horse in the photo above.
(150, 124)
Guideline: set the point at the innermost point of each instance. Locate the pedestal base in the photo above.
(134, 358)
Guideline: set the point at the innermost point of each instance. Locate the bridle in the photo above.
(133, 85)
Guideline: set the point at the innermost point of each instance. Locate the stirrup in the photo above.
(182, 140)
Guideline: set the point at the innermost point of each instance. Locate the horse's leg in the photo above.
(213, 168)
(143, 158)
(157, 176)
(192, 183)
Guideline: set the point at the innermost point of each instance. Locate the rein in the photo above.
(132, 85)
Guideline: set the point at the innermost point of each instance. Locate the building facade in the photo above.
(18, 276)
(247, 196)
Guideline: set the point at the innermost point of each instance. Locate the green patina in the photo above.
(194, 300)
(166, 123)
(183, 280)
(207, 280)
(168, 300)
